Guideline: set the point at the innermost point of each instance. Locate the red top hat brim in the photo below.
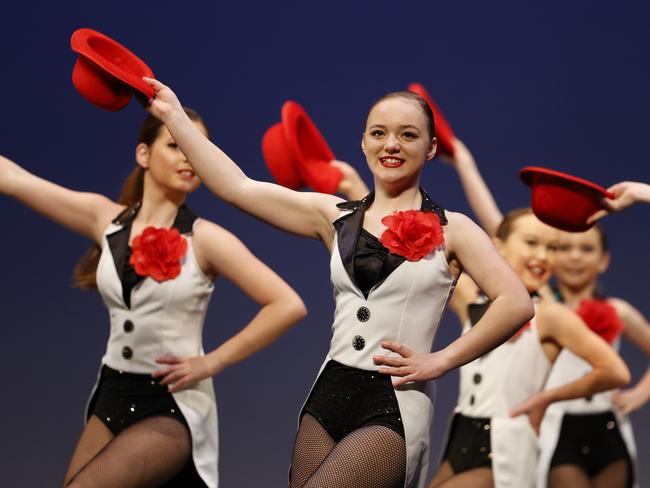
(562, 200)
(444, 132)
(107, 73)
(298, 155)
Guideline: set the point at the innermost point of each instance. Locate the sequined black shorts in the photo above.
(122, 399)
(591, 441)
(345, 399)
(469, 445)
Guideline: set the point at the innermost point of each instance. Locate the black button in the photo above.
(471, 400)
(363, 314)
(589, 398)
(128, 326)
(127, 352)
(477, 378)
(358, 343)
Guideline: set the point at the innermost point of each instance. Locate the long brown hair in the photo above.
(85, 272)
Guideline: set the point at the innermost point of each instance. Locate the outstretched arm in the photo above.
(306, 214)
(637, 331)
(478, 194)
(559, 325)
(87, 214)
(352, 186)
(220, 253)
(511, 308)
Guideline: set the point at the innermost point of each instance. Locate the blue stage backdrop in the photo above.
(560, 84)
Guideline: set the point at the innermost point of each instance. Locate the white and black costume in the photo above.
(379, 296)
(149, 319)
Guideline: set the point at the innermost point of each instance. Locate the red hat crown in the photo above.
(444, 132)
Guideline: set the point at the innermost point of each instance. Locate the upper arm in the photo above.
(559, 324)
(477, 255)
(465, 292)
(86, 213)
(219, 252)
(637, 329)
(307, 214)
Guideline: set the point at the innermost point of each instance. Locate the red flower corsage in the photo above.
(157, 253)
(412, 234)
(602, 318)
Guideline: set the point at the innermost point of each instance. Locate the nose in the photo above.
(392, 144)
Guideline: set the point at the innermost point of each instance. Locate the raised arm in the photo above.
(511, 308)
(87, 214)
(306, 214)
(478, 194)
(220, 253)
(560, 326)
(626, 193)
(637, 331)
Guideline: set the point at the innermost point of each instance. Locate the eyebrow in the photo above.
(382, 126)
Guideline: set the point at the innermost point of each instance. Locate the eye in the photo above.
(531, 242)
(377, 133)
(172, 145)
(588, 248)
(553, 247)
(564, 247)
(409, 135)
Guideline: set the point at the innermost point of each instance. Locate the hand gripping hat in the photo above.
(106, 73)
(297, 154)
(444, 133)
(562, 200)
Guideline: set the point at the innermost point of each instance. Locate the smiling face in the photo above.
(580, 258)
(530, 249)
(396, 141)
(166, 167)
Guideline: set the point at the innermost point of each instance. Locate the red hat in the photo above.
(297, 154)
(561, 200)
(106, 73)
(443, 130)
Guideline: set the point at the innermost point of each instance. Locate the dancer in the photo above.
(152, 416)
(356, 428)
(589, 442)
(489, 443)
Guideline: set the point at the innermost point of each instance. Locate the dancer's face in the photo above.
(580, 258)
(166, 165)
(530, 250)
(396, 141)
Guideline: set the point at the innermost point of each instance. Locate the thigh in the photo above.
(369, 457)
(444, 473)
(313, 445)
(568, 476)
(93, 439)
(614, 475)
(476, 478)
(146, 454)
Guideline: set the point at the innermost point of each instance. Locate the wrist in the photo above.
(216, 363)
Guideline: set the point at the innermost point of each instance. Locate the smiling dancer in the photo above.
(152, 416)
(357, 429)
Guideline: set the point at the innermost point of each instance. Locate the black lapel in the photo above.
(348, 229)
(476, 311)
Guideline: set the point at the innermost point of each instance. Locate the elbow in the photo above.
(296, 309)
(622, 375)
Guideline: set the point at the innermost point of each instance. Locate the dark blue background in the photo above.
(556, 83)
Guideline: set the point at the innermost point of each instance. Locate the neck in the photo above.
(159, 208)
(573, 296)
(389, 199)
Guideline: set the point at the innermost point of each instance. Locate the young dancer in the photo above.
(152, 416)
(357, 429)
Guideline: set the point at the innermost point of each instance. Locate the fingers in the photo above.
(389, 361)
(598, 215)
(153, 82)
(397, 382)
(173, 377)
(397, 348)
(169, 359)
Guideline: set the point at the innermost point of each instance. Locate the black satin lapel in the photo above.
(348, 229)
(118, 242)
(391, 264)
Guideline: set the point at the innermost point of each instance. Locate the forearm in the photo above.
(503, 318)
(271, 322)
(596, 381)
(478, 195)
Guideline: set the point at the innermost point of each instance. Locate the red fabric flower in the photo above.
(158, 252)
(602, 318)
(412, 234)
(520, 331)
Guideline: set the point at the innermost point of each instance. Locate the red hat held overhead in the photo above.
(562, 200)
(297, 154)
(444, 133)
(106, 73)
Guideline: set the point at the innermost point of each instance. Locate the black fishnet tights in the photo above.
(614, 475)
(144, 455)
(369, 457)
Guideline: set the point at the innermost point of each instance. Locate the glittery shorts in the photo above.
(469, 445)
(122, 399)
(591, 441)
(345, 399)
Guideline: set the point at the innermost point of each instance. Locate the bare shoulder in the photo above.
(208, 233)
(551, 315)
(458, 227)
(623, 308)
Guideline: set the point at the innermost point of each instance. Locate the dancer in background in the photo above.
(152, 416)
(358, 429)
(609, 442)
